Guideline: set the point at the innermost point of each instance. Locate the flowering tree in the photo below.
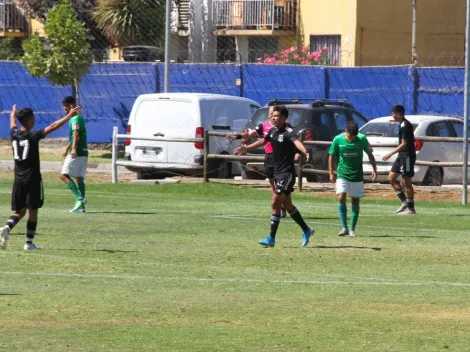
(297, 56)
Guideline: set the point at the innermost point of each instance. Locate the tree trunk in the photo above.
(76, 91)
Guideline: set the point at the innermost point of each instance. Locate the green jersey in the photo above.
(77, 123)
(349, 155)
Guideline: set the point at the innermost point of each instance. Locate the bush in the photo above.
(296, 56)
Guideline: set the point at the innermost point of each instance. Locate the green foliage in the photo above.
(67, 55)
(10, 48)
(128, 22)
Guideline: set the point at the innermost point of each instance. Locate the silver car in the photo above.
(384, 130)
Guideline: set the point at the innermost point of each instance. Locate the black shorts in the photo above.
(284, 183)
(27, 194)
(404, 165)
(269, 165)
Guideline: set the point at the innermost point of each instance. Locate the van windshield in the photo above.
(382, 129)
(295, 116)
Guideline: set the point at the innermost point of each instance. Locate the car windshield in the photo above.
(295, 116)
(382, 129)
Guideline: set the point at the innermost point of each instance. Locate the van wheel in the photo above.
(434, 177)
(146, 175)
(221, 169)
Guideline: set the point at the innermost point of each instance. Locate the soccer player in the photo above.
(404, 163)
(284, 142)
(74, 168)
(348, 148)
(27, 191)
(261, 131)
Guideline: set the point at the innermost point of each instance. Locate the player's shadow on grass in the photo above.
(123, 212)
(399, 236)
(10, 294)
(342, 247)
(103, 250)
(320, 217)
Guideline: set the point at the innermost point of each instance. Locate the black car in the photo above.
(318, 119)
(143, 53)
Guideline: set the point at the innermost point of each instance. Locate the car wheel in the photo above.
(221, 169)
(434, 177)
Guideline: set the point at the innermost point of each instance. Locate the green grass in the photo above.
(178, 268)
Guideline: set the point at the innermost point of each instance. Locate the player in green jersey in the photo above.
(74, 168)
(348, 148)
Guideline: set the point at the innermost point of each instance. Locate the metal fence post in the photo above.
(206, 153)
(114, 152)
(301, 164)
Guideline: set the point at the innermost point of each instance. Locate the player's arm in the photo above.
(374, 166)
(256, 132)
(13, 118)
(332, 154)
(401, 148)
(301, 148)
(243, 149)
(59, 123)
(331, 163)
(74, 143)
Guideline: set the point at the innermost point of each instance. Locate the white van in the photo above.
(184, 115)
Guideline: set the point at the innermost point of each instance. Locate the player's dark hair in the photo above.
(282, 110)
(398, 109)
(69, 100)
(352, 128)
(25, 115)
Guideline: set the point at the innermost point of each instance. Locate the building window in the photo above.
(258, 46)
(333, 42)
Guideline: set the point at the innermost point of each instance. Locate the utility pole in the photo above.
(414, 54)
(465, 108)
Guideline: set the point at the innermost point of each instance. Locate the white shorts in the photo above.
(75, 167)
(355, 189)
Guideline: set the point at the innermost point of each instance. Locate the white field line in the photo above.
(239, 280)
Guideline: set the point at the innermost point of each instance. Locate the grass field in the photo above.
(178, 268)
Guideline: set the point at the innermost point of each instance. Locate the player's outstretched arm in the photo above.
(300, 147)
(245, 148)
(13, 117)
(59, 123)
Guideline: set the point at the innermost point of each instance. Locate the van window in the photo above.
(341, 120)
(360, 120)
(458, 128)
(382, 129)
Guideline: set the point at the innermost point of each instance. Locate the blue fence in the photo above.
(109, 90)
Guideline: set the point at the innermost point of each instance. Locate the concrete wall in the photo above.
(385, 32)
(331, 17)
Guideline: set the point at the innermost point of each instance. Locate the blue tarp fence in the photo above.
(108, 91)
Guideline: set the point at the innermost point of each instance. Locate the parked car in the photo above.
(184, 115)
(143, 53)
(318, 119)
(385, 130)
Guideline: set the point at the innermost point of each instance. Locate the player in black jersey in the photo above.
(285, 143)
(27, 188)
(405, 162)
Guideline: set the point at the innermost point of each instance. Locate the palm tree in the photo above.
(130, 22)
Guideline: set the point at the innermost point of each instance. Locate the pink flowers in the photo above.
(296, 56)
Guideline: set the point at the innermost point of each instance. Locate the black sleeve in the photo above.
(409, 134)
(38, 135)
(13, 132)
(259, 130)
(267, 138)
(292, 136)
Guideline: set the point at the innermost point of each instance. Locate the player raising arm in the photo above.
(284, 143)
(27, 191)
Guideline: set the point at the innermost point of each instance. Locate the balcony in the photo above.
(12, 20)
(254, 17)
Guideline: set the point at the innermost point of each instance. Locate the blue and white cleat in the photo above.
(268, 242)
(306, 236)
(30, 247)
